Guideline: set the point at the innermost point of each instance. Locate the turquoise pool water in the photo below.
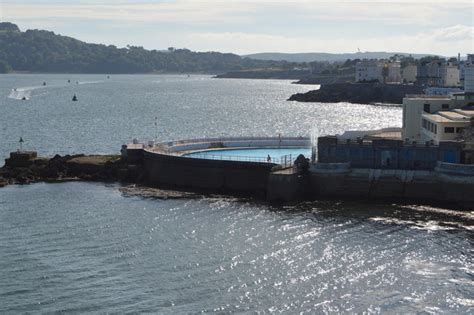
(251, 154)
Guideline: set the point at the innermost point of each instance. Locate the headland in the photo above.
(360, 93)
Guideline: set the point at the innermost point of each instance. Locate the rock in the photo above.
(362, 93)
(147, 192)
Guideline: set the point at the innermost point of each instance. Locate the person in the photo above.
(269, 158)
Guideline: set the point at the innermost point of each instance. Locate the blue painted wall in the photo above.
(387, 154)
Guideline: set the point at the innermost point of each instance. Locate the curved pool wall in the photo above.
(187, 146)
(277, 155)
(166, 166)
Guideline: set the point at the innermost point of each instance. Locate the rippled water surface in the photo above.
(83, 247)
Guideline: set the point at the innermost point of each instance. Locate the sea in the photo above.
(84, 247)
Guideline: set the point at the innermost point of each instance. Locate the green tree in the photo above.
(4, 67)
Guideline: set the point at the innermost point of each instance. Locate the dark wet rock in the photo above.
(361, 93)
(63, 168)
(147, 192)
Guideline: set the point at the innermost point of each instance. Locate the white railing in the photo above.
(285, 160)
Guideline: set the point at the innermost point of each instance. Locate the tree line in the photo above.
(45, 51)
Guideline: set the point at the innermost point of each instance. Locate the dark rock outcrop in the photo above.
(19, 169)
(326, 79)
(361, 93)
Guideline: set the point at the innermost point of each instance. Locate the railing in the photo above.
(223, 139)
(221, 157)
(285, 160)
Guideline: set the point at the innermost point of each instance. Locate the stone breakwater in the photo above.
(27, 167)
(360, 93)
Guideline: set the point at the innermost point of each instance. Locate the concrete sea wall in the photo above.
(406, 185)
(209, 175)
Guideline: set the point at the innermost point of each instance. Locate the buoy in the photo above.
(74, 98)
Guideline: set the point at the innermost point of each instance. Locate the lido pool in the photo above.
(251, 154)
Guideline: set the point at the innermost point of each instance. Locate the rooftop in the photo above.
(454, 115)
(466, 112)
(428, 97)
(442, 117)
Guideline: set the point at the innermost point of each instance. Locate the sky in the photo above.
(244, 26)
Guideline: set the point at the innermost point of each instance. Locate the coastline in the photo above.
(358, 93)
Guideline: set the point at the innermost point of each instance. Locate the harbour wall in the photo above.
(165, 166)
(217, 176)
(446, 183)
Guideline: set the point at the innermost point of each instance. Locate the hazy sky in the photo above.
(243, 26)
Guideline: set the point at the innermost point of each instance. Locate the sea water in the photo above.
(85, 247)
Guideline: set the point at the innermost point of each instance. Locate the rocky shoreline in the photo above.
(360, 93)
(26, 167)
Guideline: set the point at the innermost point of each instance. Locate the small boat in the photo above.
(24, 98)
(74, 98)
(68, 81)
(44, 83)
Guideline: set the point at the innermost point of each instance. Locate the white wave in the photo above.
(88, 82)
(24, 92)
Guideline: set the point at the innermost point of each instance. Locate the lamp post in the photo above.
(156, 128)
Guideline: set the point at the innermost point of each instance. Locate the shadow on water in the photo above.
(416, 216)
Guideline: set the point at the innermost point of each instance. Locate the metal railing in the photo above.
(222, 157)
(285, 160)
(224, 139)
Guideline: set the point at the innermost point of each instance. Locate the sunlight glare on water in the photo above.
(85, 247)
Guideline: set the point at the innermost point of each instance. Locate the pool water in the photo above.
(251, 154)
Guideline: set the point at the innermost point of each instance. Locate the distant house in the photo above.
(378, 71)
(438, 73)
(409, 73)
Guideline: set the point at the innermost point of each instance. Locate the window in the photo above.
(459, 130)
(436, 129)
(448, 129)
(424, 123)
(445, 106)
(426, 108)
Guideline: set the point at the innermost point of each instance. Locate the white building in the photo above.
(394, 73)
(416, 107)
(368, 71)
(450, 76)
(444, 125)
(378, 71)
(409, 73)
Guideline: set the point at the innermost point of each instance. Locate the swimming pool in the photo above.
(251, 154)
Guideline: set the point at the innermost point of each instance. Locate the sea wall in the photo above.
(401, 185)
(214, 176)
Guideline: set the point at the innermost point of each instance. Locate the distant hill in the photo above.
(45, 51)
(309, 57)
